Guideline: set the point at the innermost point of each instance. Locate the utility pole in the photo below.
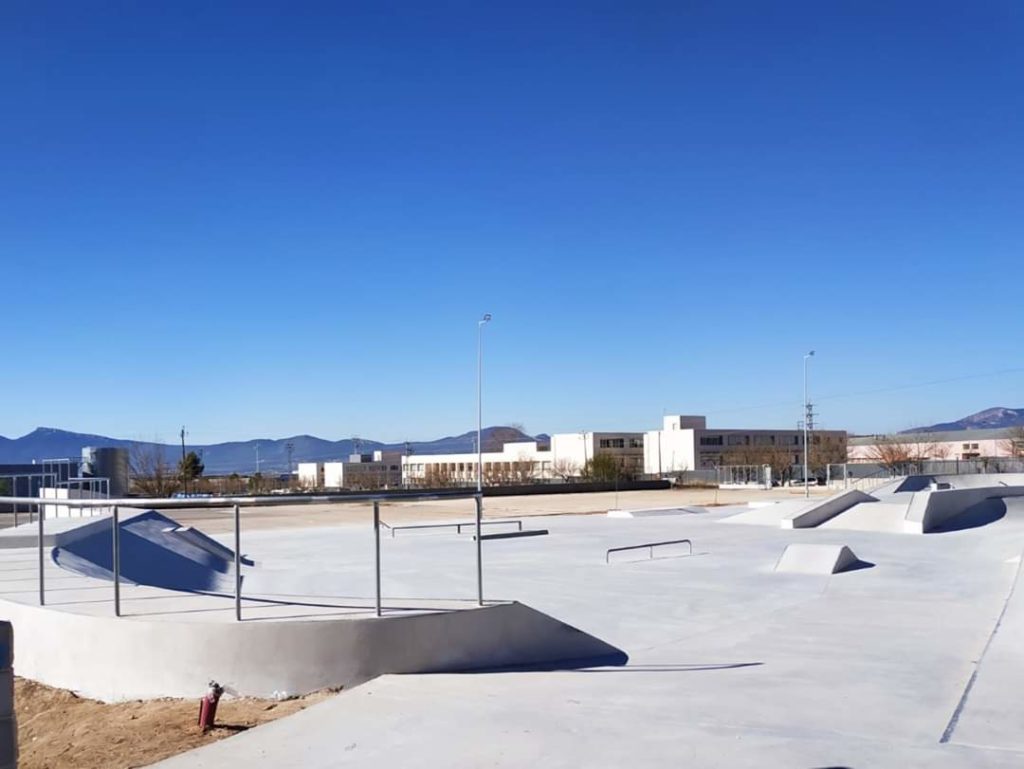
(257, 457)
(807, 419)
(289, 447)
(184, 474)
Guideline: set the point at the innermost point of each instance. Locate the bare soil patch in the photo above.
(60, 730)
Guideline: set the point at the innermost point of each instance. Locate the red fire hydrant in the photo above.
(208, 705)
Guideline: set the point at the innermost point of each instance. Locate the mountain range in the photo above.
(993, 418)
(240, 456)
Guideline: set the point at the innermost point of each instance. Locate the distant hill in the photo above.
(240, 456)
(994, 418)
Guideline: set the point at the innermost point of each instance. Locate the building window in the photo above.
(612, 443)
(967, 446)
(636, 443)
(711, 440)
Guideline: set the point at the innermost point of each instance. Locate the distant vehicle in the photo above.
(803, 482)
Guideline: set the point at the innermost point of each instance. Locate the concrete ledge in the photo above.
(651, 512)
(114, 659)
(819, 511)
(816, 559)
(930, 509)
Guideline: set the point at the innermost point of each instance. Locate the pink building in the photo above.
(956, 444)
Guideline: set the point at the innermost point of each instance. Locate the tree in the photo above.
(824, 452)
(890, 452)
(152, 475)
(524, 470)
(603, 467)
(565, 468)
(190, 467)
(438, 476)
(257, 483)
(1013, 443)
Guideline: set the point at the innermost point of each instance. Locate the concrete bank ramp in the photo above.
(818, 511)
(653, 512)
(803, 558)
(155, 551)
(765, 514)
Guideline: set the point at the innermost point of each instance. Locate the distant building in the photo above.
(360, 472)
(686, 443)
(527, 461)
(995, 443)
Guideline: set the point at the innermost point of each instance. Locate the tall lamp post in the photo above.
(480, 456)
(479, 399)
(807, 488)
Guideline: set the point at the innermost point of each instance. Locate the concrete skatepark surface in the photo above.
(730, 664)
(910, 663)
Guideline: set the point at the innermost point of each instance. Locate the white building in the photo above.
(685, 443)
(520, 461)
(366, 472)
(526, 461)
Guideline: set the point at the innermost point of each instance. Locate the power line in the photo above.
(875, 391)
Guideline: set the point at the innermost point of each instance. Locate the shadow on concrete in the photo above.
(985, 512)
(672, 668)
(857, 566)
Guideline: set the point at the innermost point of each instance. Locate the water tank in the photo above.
(109, 463)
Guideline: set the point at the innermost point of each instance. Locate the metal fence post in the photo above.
(238, 565)
(117, 563)
(42, 591)
(376, 546)
(479, 551)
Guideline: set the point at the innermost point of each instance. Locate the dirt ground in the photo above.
(59, 730)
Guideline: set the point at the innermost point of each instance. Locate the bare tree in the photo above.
(890, 452)
(524, 470)
(152, 475)
(438, 476)
(565, 468)
(1013, 443)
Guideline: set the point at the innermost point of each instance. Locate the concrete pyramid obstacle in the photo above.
(806, 558)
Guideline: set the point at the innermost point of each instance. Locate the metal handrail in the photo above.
(649, 545)
(234, 504)
(457, 525)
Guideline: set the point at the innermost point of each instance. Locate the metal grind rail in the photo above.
(235, 505)
(649, 546)
(458, 526)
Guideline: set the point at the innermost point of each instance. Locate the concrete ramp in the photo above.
(871, 516)
(805, 558)
(653, 512)
(820, 510)
(155, 551)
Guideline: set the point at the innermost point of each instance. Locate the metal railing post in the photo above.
(376, 548)
(117, 562)
(479, 551)
(238, 565)
(42, 590)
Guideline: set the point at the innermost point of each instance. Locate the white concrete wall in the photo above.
(65, 511)
(113, 659)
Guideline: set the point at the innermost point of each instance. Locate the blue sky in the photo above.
(263, 219)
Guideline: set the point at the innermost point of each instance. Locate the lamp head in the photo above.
(485, 319)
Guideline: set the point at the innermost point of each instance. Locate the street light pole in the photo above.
(807, 488)
(479, 399)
